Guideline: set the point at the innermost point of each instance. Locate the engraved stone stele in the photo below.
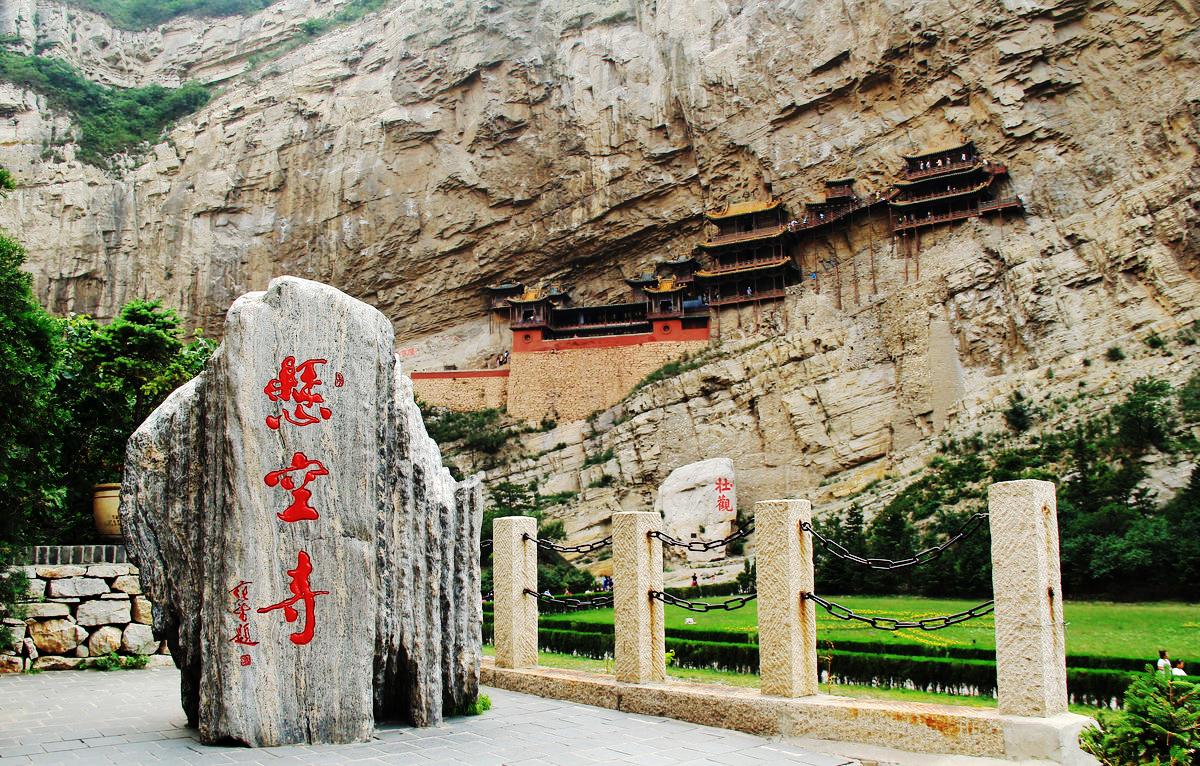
(311, 563)
(698, 502)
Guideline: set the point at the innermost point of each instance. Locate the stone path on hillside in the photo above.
(134, 717)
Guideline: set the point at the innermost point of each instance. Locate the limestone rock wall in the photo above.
(820, 412)
(423, 152)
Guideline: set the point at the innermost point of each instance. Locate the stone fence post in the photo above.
(640, 655)
(514, 569)
(787, 624)
(1031, 666)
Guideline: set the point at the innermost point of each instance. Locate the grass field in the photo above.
(1093, 627)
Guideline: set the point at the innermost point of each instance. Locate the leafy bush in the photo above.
(1159, 724)
(143, 14)
(605, 480)
(1019, 415)
(109, 120)
(29, 348)
(747, 579)
(114, 661)
(1114, 354)
(479, 705)
(14, 586)
(600, 458)
(552, 530)
(477, 430)
(1189, 399)
(564, 578)
(1145, 417)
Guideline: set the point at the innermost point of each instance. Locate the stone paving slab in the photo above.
(93, 718)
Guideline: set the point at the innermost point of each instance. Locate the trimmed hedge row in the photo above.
(1082, 661)
(1100, 687)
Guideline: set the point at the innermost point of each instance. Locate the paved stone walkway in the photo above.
(134, 717)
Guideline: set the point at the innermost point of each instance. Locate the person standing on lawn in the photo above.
(1164, 661)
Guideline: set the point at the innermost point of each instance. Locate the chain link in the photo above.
(700, 546)
(924, 557)
(736, 602)
(582, 548)
(573, 603)
(891, 623)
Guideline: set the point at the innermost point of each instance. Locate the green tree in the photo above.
(109, 379)
(1189, 399)
(1019, 415)
(1145, 418)
(1158, 725)
(27, 354)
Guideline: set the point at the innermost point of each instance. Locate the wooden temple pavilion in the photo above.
(539, 316)
(947, 185)
(749, 256)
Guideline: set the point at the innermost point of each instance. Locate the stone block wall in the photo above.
(570, 384)
(462, 391)
(81, 611)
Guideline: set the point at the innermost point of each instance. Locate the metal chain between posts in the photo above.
(699, 606)
(924, 557)
(572, 603)
(700, 546)
(891, 623)
(582, 548)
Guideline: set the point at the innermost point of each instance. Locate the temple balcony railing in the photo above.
(673, 314)
(914, 175)
(758, 295)
(1001, 204)
(621, 325)
(977, 188)
(973, 211)
(528, 324)
(745, 236)
(727, 269)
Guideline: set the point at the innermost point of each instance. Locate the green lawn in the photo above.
(1099, 628)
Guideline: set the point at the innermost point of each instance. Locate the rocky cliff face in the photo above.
(421, 153)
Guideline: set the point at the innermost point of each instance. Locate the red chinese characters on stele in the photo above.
(295, 385)
(241, 600)
(287, 478)
(723, 486)
(301, 591)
